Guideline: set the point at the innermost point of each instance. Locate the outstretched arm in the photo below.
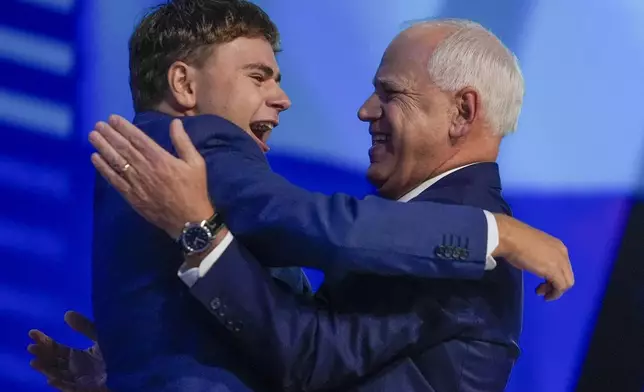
(289, 226)
(286, 225)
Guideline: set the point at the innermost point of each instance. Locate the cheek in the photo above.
(212, 97)
(393, 122)
(405, 127)
(238, 102)
(416, 143)
(246, 97)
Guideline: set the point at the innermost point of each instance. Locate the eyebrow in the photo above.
(264, 68)
(386, 83)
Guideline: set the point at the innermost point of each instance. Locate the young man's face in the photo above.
(240, 81)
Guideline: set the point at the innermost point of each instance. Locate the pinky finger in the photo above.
(110, 175)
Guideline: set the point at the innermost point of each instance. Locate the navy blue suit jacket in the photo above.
(459, 335)
(153, 335)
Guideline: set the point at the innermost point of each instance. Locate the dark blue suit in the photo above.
(156, 337)
(468, 333)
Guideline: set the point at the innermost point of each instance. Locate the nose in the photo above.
(279, 100)
(370, 109)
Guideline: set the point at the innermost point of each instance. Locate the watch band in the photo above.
(215, 223)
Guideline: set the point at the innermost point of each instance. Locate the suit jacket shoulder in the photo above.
(478, 185)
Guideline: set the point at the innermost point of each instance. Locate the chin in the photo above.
(376, 176)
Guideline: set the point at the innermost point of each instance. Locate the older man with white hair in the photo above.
(446, 93)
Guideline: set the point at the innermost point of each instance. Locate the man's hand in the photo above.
(532, 250)
(69, 369)
(167, 191)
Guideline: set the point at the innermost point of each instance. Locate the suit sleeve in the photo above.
(304, 346)
(284, 225)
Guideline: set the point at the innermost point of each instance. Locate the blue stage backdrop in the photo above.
(571, 169)
(45, 181)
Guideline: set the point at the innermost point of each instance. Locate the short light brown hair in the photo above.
(186, 30)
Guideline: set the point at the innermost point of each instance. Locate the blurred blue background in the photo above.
(573, 168)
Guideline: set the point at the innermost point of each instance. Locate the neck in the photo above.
(167, 108)
(467, 157)
(482, 146)
(461, 153)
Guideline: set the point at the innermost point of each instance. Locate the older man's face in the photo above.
(409, 117)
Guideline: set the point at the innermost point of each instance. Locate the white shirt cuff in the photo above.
(492, 240)
(192, 275)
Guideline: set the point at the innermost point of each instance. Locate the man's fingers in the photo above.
(558, 287)
(548, 291)
(570, 276)
(553, 295)
(555, 286)
(565, 277)
(50, 352)
(110, 175)
(40, 337)
(81, 324)
(543, 288)
(43, 352)
(119, 145)
(140, 142)
(182, 143)
(45, 348)
(130, 188)
(109, 154)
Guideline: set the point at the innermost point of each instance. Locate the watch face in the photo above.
(196, 239)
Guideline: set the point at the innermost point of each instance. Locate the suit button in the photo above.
(465, 254)
(439, 251)
(215, 304)
(238, 327)
(449, 252)
(230, 325)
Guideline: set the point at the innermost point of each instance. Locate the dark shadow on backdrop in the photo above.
(615, 357)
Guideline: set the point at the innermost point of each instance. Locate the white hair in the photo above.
(472, 56)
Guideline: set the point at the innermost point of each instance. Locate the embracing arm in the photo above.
(285, 225)
(304, 345)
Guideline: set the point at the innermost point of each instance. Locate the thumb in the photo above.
(544, 288)
(81, 324)
(182, 143)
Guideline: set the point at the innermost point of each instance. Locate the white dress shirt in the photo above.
(191, 275)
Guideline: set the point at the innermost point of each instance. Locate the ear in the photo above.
(467, 105)
(182, 86)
